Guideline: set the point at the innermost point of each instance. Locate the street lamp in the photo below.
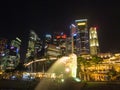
(73, 31)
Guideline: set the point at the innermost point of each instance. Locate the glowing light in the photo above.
(53, 75)
(72, 64)
(73, 29)
(75, 34)
(62, 80)
(77, 80)
(11, 47)
(80, 20)
(72, 25)
(2, 54)
(59, 67)
(48, 36)
(18, 39)
(67, 70)
(17, 50)
(39, 60)
(64, 36)
(83, 23)
(57, 37)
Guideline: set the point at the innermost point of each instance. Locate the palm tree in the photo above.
(20, 67)
(82, 67)
(113, 74)
(96, 59)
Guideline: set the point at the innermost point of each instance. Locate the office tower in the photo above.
(15, 47)
(93, 38)
(68, 45)
(34, 46)
(82, 37)
(14, 54)
(73, 37)
(56, 44)
(3, 52)
(31, 45)
(59, 38)
(48, 38)
(3, 43)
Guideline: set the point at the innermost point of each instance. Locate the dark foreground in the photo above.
(17, 85)
(68, 85)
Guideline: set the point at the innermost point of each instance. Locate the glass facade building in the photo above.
(82, 37)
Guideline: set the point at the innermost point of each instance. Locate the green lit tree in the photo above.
(82, 67)
(96, 60)
(113, 74)
(20, 67)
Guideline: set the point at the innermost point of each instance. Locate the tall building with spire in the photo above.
(82, 37)
(93, 38)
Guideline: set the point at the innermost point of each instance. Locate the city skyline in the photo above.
(17, 18)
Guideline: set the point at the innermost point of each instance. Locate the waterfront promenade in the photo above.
(68, 85)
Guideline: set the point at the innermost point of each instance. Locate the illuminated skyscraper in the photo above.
(15, 47)
(48, 38)
(56, 44)
(82, 37)
(34, 46)
(31, 44)
(94, 45)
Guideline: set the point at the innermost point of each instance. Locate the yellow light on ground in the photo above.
(83, 23)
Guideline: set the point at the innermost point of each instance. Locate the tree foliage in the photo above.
(20, 67)
(96, 59)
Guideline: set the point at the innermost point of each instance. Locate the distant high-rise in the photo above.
(3, 43)
(55, 44)
(82, 37)
(34, 45)
(15, 47)
(59, 38)
(48, 38)
(93, 37)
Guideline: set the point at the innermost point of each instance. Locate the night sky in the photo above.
(17, 17)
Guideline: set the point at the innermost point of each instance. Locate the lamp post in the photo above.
(73, 57)
(72, 43)
(73, 31)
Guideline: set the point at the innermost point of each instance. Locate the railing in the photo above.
(37, 60)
